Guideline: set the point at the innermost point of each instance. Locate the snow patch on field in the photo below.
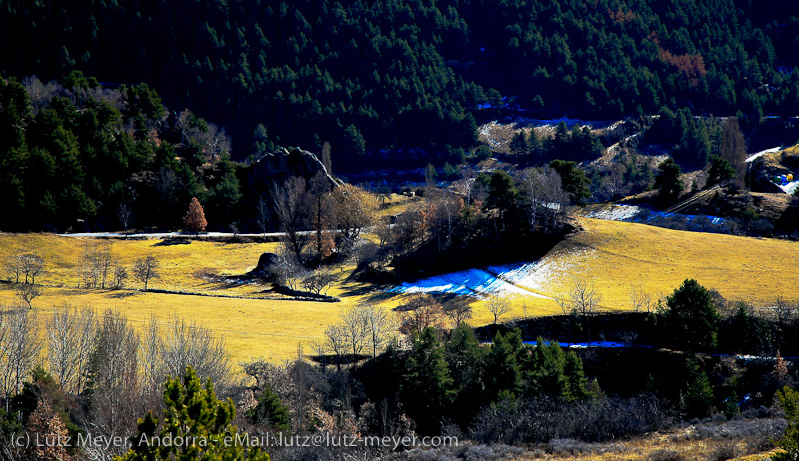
(523, 278)
(615, 213)
(790, 188)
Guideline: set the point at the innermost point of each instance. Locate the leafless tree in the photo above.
(458, 310)
(443, 209)
(115, 400)
(28, 293)
(96, 264)
(335, 342)
(546, 197)
(32, 265)
(784, 311)
(322, 214)
(353, 326)
(642, 301)
(125, 216)
(498, 306)
(318, 281)
(420, 312)
(40, 93)
(120, 274)
(12, 266)
(289, 201)
(70, 333)
(213, 140)
(288, 271)
(380, 326)
(582, 298)
(20, 346)
(153, 372)
(188, 344)
(263, 214)
(146, 269)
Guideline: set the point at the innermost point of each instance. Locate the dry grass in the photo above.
(614, 255)
(617, 255)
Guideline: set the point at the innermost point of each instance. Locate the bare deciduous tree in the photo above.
(146, 269)
(353, 327)
(115, 401)
(120, 274)
(263, 214)
(322, 215)
(547, 199)
(380, 326)
(421, 311)
(582, 299)
(19, 347)
(70, 333)
(458, 310)
(318, 281)
(289, 201)
(125, 216)
(28, 293)
(32, 265)
(335, 343)
(498, 306)
(96, 264)
(188, 344)
(641, 300)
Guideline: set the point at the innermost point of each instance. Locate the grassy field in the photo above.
(614, 255)
(617, 255)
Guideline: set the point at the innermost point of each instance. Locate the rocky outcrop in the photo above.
(285, 163)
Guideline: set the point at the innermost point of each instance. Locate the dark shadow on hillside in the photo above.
(172, 241)
(122, 294)
(373, 293)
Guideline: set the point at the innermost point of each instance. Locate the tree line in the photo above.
(283, 72)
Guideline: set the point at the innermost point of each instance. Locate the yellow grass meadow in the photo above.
(613, 255)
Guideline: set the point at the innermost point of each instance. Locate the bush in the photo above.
(666, 455)
(542, 420)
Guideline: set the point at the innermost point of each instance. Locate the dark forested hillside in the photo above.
(376, 74)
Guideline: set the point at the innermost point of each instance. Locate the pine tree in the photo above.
(668, 182)
(428, 387)
(194, 415)
(789, 400)
(692, 318)
(518, 144)
(195, 218)
(271, 411)
(503, 374)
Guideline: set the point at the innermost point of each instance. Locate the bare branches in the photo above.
(318, 281)
(146, 269)
(28, 293)
(70, 336)
(582, 299)
(641, 300)
(188, 344)
(95, 267)
(19, 347)
(289, 202)
(458, 310)
(498, 306)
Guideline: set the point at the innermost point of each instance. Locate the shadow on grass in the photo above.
(172, 241)
(372, 293)
(121, 294)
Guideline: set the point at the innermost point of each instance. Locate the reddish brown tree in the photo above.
(195, 218)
